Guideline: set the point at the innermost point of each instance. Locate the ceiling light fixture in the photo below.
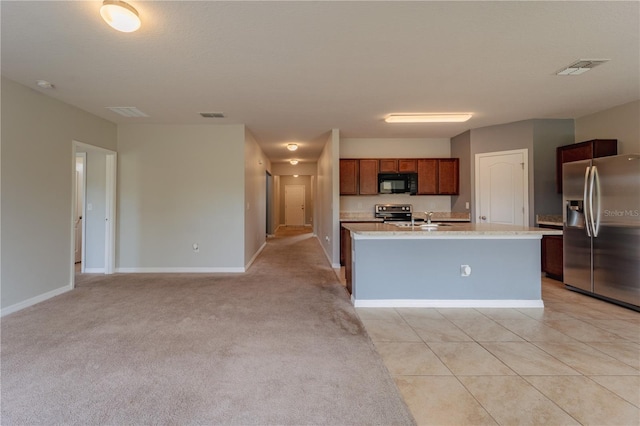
(428, 118)
(45, 84)
(293, 162)
(292, 147)
(120, 15)
(295, 175)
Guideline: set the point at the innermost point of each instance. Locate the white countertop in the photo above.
(452, 231)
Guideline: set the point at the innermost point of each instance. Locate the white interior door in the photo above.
(502, 188)
(294, 205)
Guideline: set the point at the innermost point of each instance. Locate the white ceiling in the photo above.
(291, 71)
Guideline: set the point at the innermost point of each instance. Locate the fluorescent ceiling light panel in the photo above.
(128, 111)
(428, 118)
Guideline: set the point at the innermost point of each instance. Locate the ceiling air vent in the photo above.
(128, 111)
(581, 66)
(212, 114)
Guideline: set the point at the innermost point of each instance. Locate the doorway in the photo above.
(93, 231)
(502, 187)
(79, 205)
(294, 205)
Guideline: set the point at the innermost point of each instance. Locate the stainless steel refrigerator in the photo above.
(601, 199)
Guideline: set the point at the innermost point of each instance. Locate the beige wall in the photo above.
(327, 201)
(256, 165)
(621, 122)
(36, 183)
(179, 185)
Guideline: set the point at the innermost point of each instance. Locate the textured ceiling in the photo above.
(291, 71)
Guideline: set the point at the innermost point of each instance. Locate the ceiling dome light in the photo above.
(292, 147)
(293, 162)
(120, 15)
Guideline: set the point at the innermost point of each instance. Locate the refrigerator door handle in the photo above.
(594, 196)
(586, 199)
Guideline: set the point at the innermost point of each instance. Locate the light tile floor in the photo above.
(577, 361)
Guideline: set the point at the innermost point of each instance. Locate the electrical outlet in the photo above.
(465, 270)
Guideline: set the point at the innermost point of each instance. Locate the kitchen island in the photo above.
(450, 265)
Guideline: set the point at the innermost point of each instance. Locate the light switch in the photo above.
(89, 206)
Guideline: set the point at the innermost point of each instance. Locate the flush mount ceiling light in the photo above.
(581, 66)
(428, 118)
(295, 175)
(293, 162)
(120, 15)
(292, 146)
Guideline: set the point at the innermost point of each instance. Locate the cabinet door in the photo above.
(552, 261)
(407, 166)
(368, 177)
(427, 176)
(389, 165)
(348, 177)
(448, 176)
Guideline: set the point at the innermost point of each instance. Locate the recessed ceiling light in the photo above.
(292, 146)
(45, 84)
(293, 162)
(120, 15)
(428, 118)
(581, 66)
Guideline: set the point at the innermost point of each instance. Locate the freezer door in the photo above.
(616, 249)
(577, 243)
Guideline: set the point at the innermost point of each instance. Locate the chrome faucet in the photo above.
(427, 216)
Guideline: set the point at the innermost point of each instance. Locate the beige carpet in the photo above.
(280, 344)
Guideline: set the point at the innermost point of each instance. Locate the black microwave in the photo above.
(398, 183)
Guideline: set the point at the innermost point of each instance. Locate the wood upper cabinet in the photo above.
(583, 151)
(448, 176)
(368, 177)
(427, 176)
(349, 177)
(389, 165)
(407, 165)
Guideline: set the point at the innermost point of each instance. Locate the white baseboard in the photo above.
(37, 299)
(94, 270)
(427, 303)
(246, 267)
(179, 270)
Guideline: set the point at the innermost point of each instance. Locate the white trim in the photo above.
(462, 303)
(84, 210)
(37, 299)
(94, 270)
(255, 256)
(179, 270)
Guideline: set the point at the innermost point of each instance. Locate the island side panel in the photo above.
(429, 269)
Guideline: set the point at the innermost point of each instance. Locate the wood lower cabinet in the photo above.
(583, 151)
(349, 177)
(368, 177)
(551, 255)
